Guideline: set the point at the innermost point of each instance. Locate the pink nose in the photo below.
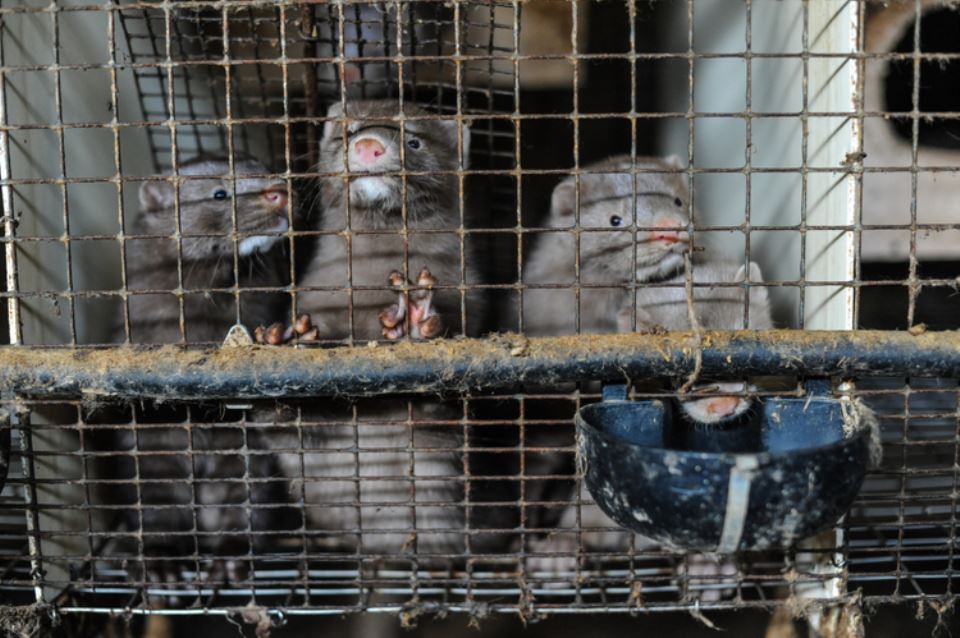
(668, 230)
(368, 150)
(275, 197)
(722, 406)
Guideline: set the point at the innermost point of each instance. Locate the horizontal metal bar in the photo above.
(162, 124)
(458, 365)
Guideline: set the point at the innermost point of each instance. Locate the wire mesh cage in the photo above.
(444, 229)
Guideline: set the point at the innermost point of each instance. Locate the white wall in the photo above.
(720, 86)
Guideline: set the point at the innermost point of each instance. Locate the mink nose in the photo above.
(368, 150)
(669, 231)
(275, 198)
(722, 406)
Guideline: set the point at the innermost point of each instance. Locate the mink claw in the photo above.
(625, 323)
(303, 325)
(393, 334)
(274, 334)
(396, 278)
(431, 328)
(425, 321)
(278, 334)
(392, 318)
(426, 278)
(392, 322)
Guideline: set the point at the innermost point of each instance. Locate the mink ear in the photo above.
(450, 130)
(563, 204)
(333, 114)
(156, 195)
(755, 274)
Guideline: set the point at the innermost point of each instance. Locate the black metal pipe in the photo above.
(466, 364)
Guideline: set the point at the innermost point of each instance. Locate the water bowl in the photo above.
(809, 461)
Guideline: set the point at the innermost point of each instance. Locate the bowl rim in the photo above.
(763, 457)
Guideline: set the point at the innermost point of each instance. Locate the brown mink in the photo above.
(185, 480)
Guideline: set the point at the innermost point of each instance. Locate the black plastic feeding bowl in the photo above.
(801, 476)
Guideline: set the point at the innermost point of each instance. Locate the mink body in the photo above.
(402, 490)
(185, 467)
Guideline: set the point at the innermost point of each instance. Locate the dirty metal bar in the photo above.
(466, 364)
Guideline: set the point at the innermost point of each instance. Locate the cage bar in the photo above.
(815, 138)
(460, 365)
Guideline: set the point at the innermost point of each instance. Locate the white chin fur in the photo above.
(370, 189)
(262, 243)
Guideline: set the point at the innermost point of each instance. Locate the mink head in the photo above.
(377, 150)
(631, 214)
(207, 199)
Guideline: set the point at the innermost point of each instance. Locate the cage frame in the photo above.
(39, 372)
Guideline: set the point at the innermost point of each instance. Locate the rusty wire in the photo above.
(211, 76)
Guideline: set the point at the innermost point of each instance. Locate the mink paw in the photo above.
(301, 331)
(414, 312)
(625, 323)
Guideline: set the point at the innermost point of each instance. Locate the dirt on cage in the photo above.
(492, 214)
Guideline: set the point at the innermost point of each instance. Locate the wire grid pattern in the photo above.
(898, 541)
(235, 77)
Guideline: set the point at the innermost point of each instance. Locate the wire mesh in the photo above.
(814, 138)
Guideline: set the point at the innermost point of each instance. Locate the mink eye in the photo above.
(413, 143)
(220, 194)
(616, 220)
(678, 202)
